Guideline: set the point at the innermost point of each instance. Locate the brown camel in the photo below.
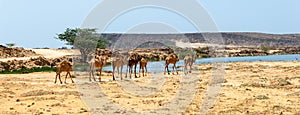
(98, 62)
(133, 60)
(118, 63)
(188, 61)
(171, 59)
(65, 65)
(143, 66)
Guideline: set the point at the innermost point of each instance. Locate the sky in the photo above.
(35, 23)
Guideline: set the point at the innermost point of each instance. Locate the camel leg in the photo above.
(127, 69)
(146, 70)
(100, 70)
(175, 68)
(113, 72)
(58, 75)
(55, 78)
(185, 69)
(167, 68)
(66, 78)
(140, 71)
(135, 70)
(191, 68)
(59, 78)
(70, 77)
(121, 72)
(130, 72)
(92, 73)
(143, 72)
(118, 69)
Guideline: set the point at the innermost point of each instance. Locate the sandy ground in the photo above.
(249, 88)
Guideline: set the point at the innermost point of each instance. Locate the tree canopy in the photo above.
(10, 44)
(86, 40)
(69, 36)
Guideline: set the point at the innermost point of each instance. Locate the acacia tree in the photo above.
(86, 40)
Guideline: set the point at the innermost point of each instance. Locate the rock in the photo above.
(15, 52)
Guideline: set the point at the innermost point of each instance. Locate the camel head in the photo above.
(194, 58)
(105, 58)
(134, 56)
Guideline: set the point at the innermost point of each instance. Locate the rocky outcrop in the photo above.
(12, 65)
(15, 52)
(258, 51)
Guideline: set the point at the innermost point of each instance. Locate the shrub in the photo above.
(31, 70)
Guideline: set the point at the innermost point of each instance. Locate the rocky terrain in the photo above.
(15, 52)
(34, 58)
(12, 65)
(260, 51)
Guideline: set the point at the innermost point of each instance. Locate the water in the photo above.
(156, 67)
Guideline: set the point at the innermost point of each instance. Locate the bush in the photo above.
(31, 70)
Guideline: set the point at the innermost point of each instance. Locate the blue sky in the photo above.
(34, 23)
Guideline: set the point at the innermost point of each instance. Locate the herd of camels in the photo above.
(119, 60)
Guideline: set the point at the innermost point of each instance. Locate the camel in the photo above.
(143, 66)
(133, 60)
(99, 62)
(118, 63)
(188, 61)
(171, 59)
(65, 65)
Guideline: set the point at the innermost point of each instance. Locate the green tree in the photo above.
(265, 48)
(86, 40)
(70, 35)
(10, 44)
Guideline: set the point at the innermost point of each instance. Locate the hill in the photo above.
(245, 39)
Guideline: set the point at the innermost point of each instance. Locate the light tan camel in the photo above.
(133, 60)
(98, 62)
(65, 65)
(188, 61)
(143, 66)
(171, 59)
(118, 63)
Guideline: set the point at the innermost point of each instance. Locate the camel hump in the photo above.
(143, 60)
(65, 62)
(174, 56)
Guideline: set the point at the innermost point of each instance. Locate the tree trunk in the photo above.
(83, 56)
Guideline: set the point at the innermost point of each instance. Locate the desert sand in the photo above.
(249, 88)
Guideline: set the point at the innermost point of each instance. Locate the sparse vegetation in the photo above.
(265, 48)
(264, 79)
(10, 44)
(262, 97)
(31, 70)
